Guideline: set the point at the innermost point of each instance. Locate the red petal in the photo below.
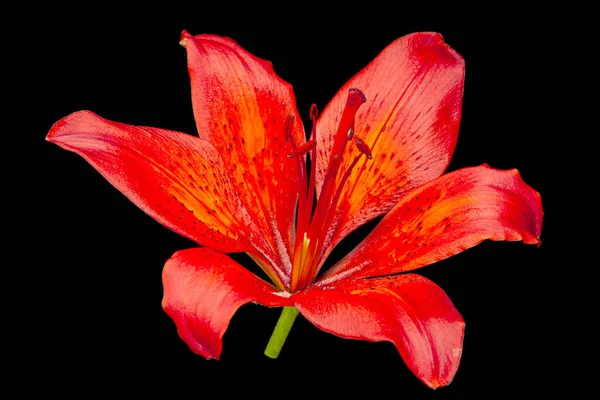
(241, 106)
(175, 178)
(408, 310)
(410, 122)
(443, 218)
(202, 291)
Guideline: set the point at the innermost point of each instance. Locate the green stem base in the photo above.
(281, 331)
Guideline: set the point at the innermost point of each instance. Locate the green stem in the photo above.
(281, 331)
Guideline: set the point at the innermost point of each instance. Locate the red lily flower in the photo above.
(380, 148)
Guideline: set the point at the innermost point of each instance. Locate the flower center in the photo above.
(314, 230)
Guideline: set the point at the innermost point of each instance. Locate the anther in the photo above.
(289, 126)
(363, 148)
(314, 112)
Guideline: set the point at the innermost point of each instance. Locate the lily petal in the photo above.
(444, 217)
(410, 121)
(174, 177)
(408, 310)
(202, 291)
(242, 106)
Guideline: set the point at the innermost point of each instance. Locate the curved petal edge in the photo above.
(445, 217)
(408, 310)
(176, 178)
(410, 121)
(244, 109)
(202, 291)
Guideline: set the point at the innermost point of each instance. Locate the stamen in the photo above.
(300, 164)
(355, 99)
(334, 200)
(314, 114)
(305, 204)
(305, 243)
(330, 193)
(364, 149)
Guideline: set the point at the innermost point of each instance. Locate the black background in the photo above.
(98, 322)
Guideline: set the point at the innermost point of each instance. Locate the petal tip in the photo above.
(436, 383)
(434, 42)
(186, 332)
(436, 37)
(58, 129)
(184, 38)
(65, 126)
(55, 130)
(536, 202)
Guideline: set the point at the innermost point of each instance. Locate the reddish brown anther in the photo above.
(363, 148)
(288, 127)
(314, 113)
